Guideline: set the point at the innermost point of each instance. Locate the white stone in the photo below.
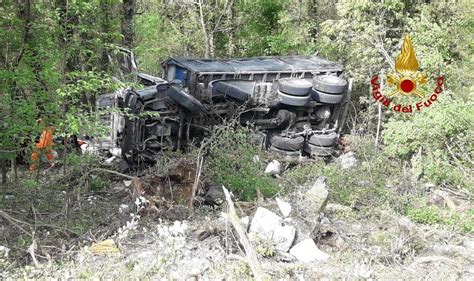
(123, 208)
(110, 160)
(347, 160)
(285, 208)
(307, 251)
(4, 251)
(468, 244)
(273, 168)
(317, 196)
(338, 208)
(269, 226)
(256, 159)
(245, 221)
(115, 151)
(127, 183)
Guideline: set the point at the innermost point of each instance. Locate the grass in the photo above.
(377, 182)
(230, 162)
(431, 215)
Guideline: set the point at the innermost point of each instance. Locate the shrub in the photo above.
(231, 163)
(441, 136)
(363, 184)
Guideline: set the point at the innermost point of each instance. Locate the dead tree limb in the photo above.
(15, 222)
(200, 160)
(113, 172)
(252, 258)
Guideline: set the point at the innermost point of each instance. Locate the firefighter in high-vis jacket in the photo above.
(44, 145)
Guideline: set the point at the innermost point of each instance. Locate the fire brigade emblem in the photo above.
(406, 79)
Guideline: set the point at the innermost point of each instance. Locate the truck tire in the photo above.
(294, 86)
(184, 99)
(315, 150)
(327, 98)
(290, 144)
(293, 100)
(330, 84)
(283, 152)
(323, 140)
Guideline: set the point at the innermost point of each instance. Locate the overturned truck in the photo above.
(298, 105)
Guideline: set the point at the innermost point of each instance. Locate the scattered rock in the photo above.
(203, 233)
(285, 257)
(429, 186)
(4, 251)
(245, 221)
(127, 183)
(347, 160)
(365, 183)
(269, 226)
(110, 160)
(285, 208)
(468, 244)
(317, 195)
(214, 195)
(256, 159)
(9, 196)
(307, 251)
(117, 152)
(337, 208)
(442, 199)
(123, 208)
(273, 168)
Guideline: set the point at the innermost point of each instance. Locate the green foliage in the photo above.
(51, 66)
(364, 184)
(231, 164)
(29, 184)
(167, 31)
(425, 215)
(443, 134)
(263, 247)
(79, 96)
(259, 22)
(422, 213)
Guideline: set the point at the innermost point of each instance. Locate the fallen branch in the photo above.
(113, 172)
(252, 258)
(15, 222)
(196, 180)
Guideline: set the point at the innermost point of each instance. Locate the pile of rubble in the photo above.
(293, 231)
(296, 228)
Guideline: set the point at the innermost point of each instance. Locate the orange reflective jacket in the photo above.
(46, 139)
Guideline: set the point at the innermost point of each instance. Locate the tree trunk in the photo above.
(128, 10)
(204, 29)
(67, 22)
(3, 168)
(105, 9)
(230, 18)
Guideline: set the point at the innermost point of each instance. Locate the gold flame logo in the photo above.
(406, 77)
(406, 62)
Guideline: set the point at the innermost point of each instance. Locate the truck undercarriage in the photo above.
(298, 105)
